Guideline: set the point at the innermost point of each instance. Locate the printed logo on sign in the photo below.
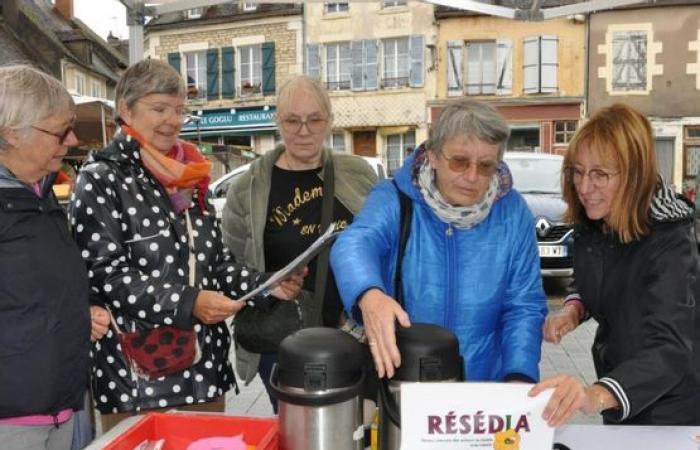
(478, 423)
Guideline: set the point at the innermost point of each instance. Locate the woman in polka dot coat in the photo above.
(129, 214)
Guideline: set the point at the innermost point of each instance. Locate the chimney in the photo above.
(65, 8)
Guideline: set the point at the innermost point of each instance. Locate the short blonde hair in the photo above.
(621, 136)
(308, 84)
(27, 96)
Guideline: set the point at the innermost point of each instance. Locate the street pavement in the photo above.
(572, 356)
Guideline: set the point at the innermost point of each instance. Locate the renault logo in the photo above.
(542, 226)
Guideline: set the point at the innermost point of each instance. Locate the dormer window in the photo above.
(250, 6)
(195, 13)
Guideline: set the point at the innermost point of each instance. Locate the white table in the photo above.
(617, 437)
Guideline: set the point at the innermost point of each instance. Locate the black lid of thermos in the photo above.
(428, 353)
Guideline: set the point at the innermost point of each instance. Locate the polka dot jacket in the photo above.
(136, 252)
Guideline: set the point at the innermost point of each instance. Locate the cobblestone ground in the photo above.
(572, 356)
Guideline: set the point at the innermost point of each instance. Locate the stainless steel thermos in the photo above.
(428, 353)
(318, 381)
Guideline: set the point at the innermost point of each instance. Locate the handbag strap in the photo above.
(326, 217)
(406, 213)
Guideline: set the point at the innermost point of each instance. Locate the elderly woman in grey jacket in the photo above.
(273, 212)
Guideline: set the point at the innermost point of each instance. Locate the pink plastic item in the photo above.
(219, 443)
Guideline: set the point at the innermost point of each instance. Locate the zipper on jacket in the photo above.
(451, 268)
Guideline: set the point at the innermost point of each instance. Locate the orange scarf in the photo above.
(179, 171)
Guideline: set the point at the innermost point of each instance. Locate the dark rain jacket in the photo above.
(44, 311)
(136, 250)
(643, 294)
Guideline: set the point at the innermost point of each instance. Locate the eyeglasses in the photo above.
(485, 168)
(313, 124)
(62, 136)
(164, 111)
(599, 177)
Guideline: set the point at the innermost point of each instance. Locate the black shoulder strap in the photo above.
(327, 202)
(406, 211)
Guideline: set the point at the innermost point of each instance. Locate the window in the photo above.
(338, 64)
(336, 141)
(195, 13)
(540, 68)
(398, 147)
(96, 89)
(629, 61)
(393, 4)
(251, 70)
(692, 132)
(336, 7)
(79, 84)
(396, 62)
(481, 68)
(196, 75)
(564, 131)
(250, 6)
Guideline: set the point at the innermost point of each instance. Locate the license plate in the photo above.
(552, 251)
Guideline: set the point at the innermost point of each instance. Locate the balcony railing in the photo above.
(251, 91)
(338, 85)
(394, 82)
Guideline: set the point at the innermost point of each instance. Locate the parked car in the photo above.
(219, 188)
(537, 177)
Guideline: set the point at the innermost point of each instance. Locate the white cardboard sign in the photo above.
(461, 416)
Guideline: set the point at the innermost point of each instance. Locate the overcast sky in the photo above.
(103, 16)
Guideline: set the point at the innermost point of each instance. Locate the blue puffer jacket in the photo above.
(483, 284)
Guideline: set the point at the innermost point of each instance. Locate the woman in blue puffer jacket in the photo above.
(471, 263)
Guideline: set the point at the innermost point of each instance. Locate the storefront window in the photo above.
(564, 131)
(398, 147)
(336, 141)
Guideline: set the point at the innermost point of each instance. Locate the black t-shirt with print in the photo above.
(294, 222)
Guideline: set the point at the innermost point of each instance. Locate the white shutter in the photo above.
(416, 52)
(357, 77)
(313, 60)
(531, 65)
(454, 68)
(549, 64)
(371, 65)
(504, 67)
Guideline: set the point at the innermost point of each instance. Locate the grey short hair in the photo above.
(311, 85)
(150, 76)
(27, 96)
(471, 119)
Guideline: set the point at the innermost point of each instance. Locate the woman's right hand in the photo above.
(212, 307)
(379, 312)
(558, 325)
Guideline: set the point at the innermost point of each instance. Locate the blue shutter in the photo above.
(357, 73)
(174, 61)
(371, 65)
(228, 73)
(313, 61)
(416, 51)
(268, 68)
(213, 74)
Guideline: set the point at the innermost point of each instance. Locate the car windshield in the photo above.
(534, 175)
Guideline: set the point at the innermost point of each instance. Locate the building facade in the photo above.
(649, 57)
(377, 60)
(532, 72)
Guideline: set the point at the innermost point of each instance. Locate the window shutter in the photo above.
(549, 64)
(454, 68)
(416, 51)
(313, 60)
(357, 75)
(174, 61)
(228, 73)
(531, 65)
(268, 68)
(371, 65)
(504, 67)
(213, 74)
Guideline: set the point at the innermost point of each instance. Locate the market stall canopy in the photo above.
(93, 124)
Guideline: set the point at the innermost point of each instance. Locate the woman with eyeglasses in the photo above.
(155, 257)
(470, 263)
(636, 269)
(274, 211)
(45, 322)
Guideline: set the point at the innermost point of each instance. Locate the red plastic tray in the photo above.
(180, 430)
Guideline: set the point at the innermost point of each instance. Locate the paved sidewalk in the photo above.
(572, 356)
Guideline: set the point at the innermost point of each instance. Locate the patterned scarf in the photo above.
(461, 217)
(181, 170)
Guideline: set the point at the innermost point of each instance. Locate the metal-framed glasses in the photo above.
(164, 111)
(599, 178)
(485, 168)
(62, 136)
(314, 124)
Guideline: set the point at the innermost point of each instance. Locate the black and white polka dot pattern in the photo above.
(136, 251)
